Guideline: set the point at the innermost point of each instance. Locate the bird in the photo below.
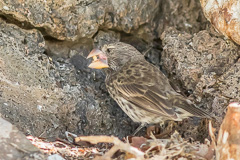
(140, 88)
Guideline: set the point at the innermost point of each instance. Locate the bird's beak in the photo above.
(98, 63)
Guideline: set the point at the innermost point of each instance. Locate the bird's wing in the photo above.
(145, 86)
(146, 99)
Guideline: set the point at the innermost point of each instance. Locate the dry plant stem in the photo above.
(155, 145)
(117, 144)
(211, 133)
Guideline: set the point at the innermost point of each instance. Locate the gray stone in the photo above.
(184, 15)
(229, 82)
(105, 38)
(14, 144)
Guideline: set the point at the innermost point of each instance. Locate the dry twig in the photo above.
(117, 145)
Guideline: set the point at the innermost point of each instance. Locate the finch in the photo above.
(140, 88)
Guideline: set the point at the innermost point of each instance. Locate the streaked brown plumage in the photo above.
(140, 88)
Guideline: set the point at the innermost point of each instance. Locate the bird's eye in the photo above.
(109, 48)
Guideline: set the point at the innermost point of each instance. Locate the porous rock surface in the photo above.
(183, 15)
(46, 97)
(207, 67)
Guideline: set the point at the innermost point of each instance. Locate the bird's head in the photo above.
(113, 56)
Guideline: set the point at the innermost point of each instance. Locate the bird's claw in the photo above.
(153, 130)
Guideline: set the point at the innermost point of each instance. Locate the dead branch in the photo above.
(117, 145)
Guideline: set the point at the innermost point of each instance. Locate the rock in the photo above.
(72, 20)
(46, 96)
(184, 15)
(224, 16)
(205, 66)
(14, 144)
(229, 82)
(103, 37)
(29, 96)
(190, 57)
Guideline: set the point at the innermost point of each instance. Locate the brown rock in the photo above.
(72, 20)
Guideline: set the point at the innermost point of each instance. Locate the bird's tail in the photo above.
(188, 106)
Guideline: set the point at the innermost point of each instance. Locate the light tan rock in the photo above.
(224, 16)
